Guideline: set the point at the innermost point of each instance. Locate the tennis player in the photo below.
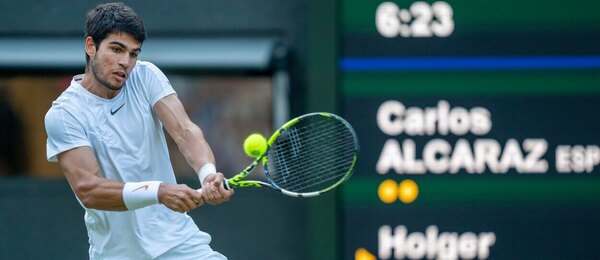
(106, 132)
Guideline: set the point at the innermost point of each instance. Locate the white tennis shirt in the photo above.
(129, 143)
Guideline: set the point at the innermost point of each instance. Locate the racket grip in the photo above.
(225, 185)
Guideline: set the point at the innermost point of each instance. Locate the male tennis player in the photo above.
(106, 132)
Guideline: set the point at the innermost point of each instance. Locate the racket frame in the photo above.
(239, 179)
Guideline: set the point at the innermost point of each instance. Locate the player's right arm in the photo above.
(82, 172)
(81, 169)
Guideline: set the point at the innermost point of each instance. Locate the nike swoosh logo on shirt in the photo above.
(145, 187)
(114, 112)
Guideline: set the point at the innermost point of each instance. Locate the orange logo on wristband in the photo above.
(143, 186)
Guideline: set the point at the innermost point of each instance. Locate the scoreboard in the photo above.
(479, 129)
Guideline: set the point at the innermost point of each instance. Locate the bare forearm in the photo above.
(100, 193)
(187, 135)
(110, 195)
(83, 173)
(194, 147)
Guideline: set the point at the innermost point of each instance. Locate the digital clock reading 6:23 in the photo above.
(421, 19)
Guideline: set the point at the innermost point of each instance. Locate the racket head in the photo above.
(311, 154)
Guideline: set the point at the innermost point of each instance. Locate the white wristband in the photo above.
(206, 170)
(140, 194)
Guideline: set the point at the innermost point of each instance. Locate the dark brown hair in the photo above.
(112, 18)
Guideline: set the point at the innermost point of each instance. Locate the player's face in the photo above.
(114, 59)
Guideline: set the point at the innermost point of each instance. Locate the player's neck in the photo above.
(91, 84)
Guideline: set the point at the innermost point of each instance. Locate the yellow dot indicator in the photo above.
(408, 191)
(363, 254)
(388, 191)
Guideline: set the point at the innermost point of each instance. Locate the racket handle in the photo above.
(225, 185)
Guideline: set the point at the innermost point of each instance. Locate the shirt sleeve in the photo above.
(156, 83)
(64, 133)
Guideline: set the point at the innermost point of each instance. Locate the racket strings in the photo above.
(319, 169)
(315, 176)
(312, 155)
(316, 183)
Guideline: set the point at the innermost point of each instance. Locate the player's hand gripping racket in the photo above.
(307, 156)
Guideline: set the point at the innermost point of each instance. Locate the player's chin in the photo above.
(118, 81)
(115, 86)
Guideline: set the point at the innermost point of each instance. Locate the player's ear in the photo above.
(90, 46)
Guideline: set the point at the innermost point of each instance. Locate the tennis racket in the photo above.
(306, 157)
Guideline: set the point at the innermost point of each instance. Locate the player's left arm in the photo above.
(193, 146)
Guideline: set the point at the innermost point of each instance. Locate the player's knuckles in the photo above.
(191, 204)
(194, 195)
(216, 201)
(183, 206)
(210, 195)
(179, 196)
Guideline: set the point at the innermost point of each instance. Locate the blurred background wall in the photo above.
(39, 216)
(477, 122)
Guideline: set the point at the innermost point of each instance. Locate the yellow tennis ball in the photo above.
(255, 145)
